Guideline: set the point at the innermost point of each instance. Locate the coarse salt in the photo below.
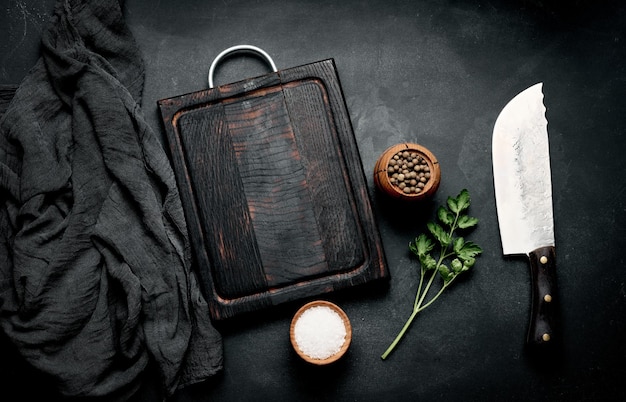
(320, 332)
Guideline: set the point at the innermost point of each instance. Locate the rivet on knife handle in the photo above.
(543, 276)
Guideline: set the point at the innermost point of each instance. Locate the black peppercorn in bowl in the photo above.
(408, 172)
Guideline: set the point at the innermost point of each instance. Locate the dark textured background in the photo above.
(436, 73)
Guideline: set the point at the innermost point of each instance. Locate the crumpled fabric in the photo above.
(96, 278)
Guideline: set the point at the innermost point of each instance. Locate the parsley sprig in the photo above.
(459, 253)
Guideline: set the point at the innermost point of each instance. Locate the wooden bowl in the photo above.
(344, 346)
(383, 181)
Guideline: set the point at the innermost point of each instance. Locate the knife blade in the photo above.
(523, 190)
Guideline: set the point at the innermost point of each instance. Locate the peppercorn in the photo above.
(408, 171)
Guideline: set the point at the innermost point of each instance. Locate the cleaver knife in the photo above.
(523, 190)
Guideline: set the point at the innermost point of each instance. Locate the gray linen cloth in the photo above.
(96, 278)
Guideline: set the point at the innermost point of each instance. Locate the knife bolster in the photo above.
(543, 307)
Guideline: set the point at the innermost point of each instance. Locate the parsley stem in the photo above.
(418, 308)
(430, 282)
(400, 334)
(419, 299)
(417, 302)
(436, 296)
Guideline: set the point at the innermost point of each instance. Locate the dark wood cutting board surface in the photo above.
(273, 189)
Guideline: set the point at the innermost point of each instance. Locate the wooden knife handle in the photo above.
(541, 330)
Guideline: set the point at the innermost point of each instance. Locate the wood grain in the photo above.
(273, 189)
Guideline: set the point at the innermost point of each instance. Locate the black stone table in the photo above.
(436, 73)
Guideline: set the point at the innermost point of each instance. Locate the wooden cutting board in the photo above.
(273, 189)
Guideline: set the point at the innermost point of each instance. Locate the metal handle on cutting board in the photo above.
(236, 49)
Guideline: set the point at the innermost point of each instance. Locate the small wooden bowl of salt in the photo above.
(320, 332)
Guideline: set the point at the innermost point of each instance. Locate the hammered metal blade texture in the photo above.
(521, 168)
